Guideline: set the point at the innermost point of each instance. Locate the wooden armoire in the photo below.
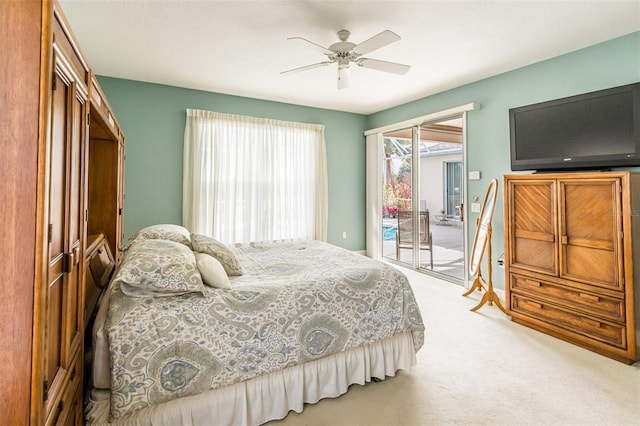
(572, 243)
(62, 179)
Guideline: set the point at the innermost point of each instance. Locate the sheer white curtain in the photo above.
(251, 179)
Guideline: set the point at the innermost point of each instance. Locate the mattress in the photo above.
(300, 306)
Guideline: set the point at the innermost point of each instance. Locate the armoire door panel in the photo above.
(54, 324)
(531, 253)
(590, 232)
(63, 315)
(76, 219)
(75, 176)
(580, 264)
(533, 232)
(57, 176)
(55, 344)
(588, 209)
(73, 311)
(534, 207)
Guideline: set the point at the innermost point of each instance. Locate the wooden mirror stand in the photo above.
(481, 241)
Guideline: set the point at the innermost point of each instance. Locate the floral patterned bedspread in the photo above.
(297, 301)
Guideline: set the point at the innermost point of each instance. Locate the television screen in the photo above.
(590, 131)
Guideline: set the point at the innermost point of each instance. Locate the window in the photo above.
(252, 179)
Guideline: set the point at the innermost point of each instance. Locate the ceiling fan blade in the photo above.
(385, 66)
(376, 42)
(307, 67)
(344, 78)
(313, 45)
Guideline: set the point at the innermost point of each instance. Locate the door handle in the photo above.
(71, 259)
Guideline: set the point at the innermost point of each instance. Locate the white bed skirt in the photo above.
(272, 396)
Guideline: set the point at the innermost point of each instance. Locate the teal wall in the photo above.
(609, 64)
(153, 116)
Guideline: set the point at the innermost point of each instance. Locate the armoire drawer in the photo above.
(600, 305)
(564, 320)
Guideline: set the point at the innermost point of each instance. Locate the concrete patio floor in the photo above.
(448, 249)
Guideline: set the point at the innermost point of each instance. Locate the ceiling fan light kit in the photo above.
(344, 53)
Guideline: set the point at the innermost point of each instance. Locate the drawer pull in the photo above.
(589, 297)
(533, 283)
(534, 304)
(591, 322)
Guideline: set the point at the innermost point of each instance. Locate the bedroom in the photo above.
(137, 104)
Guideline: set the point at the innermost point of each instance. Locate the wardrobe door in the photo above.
(66, 230)
(531, 211)
(591, 231)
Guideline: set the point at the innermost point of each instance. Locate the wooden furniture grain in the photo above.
(45, 86)
(21, 213)
(572, 241)
(106, 171)
(64, 186)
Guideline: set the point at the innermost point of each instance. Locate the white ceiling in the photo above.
(240, 47)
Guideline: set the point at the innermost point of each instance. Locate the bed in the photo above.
(274, 326)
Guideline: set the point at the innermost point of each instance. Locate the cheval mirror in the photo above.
(481, 241)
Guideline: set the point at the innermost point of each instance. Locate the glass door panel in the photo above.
(453, 188)
(397, 206)
(441, 190)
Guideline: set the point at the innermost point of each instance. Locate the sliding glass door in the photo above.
(422, 198)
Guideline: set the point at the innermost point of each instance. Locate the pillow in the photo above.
(159, 268)
(224, 254)
(212, 271)
(166, 231)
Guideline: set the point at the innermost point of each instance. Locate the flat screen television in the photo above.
(596, 130)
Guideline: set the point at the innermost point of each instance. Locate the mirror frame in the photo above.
(482, 227)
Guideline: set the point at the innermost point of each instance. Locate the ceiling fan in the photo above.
(344, 53)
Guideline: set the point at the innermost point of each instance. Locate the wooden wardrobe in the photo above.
(62, 177)
(572, 250)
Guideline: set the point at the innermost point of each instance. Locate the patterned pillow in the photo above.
(166, 231)
(224, 254)
(159, 268)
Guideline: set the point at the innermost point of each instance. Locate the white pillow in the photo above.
(212, 271)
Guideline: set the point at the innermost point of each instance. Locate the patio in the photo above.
(448, 247)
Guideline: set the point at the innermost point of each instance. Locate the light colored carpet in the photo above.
(482, 369)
